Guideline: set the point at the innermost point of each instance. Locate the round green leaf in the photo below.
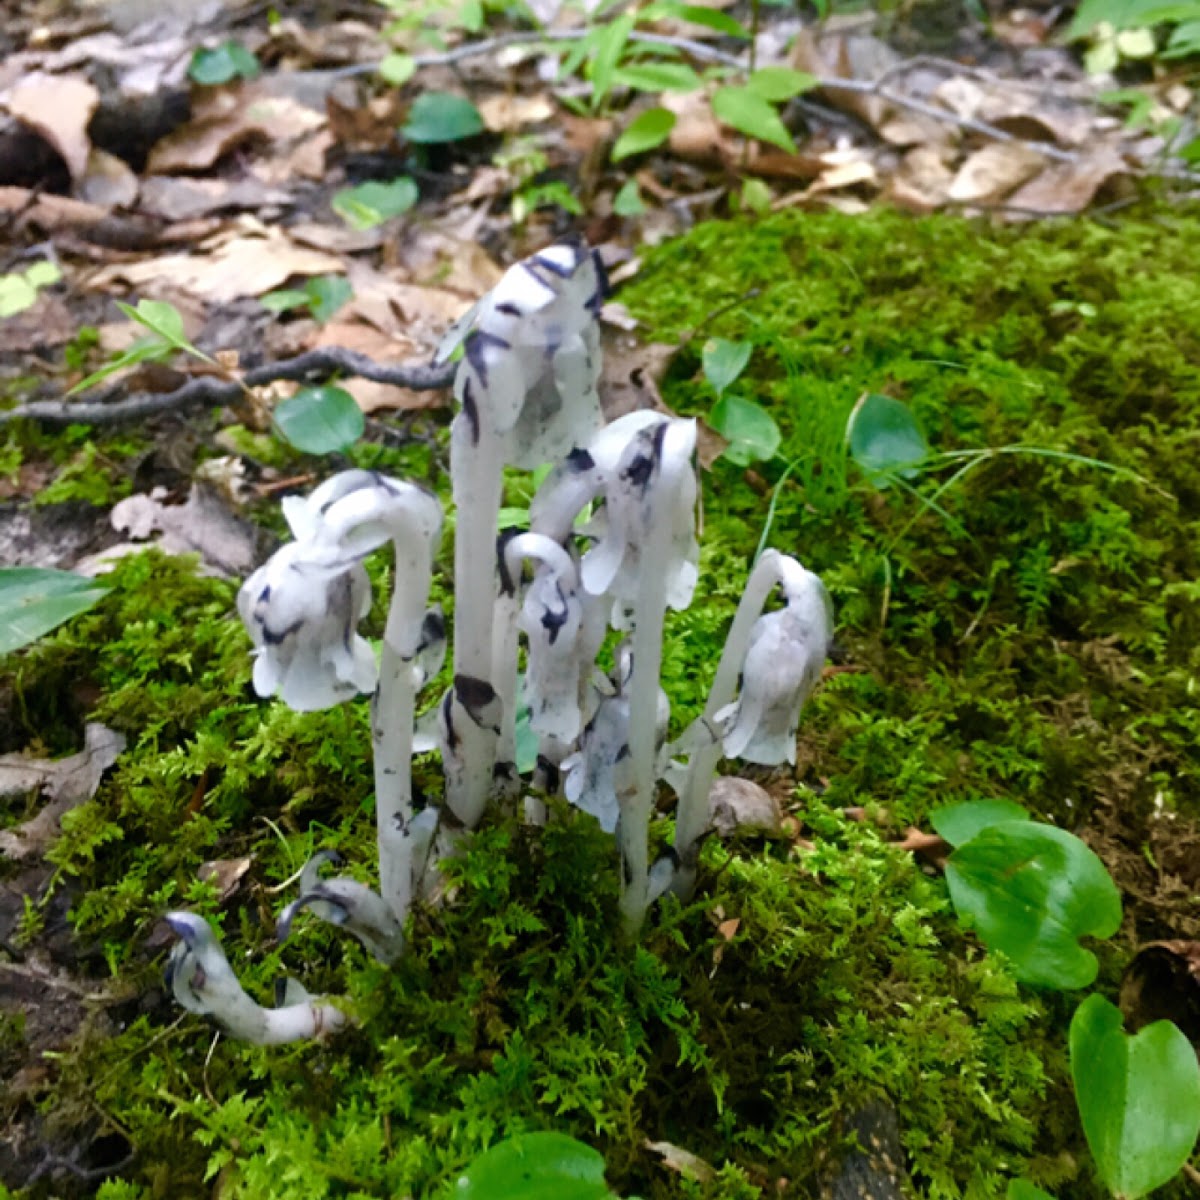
(397, 69)
(1022, 1189)
(325, 294)
(750, 114)
(723, 361)
(320, 420)
(959, 823)
(442, 117)
(1031, 891)
(227, 62)
(1138, 1097)
(644, 132)
(628, 201)
(885, 439)
(749, 429)
(535, 1166)
(33, 600)
(371, 203)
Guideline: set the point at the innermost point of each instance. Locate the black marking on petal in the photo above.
(603, 287)
(554, 268)
(504, 771)
(639, 472)
(390, 771)
(527, 265)
(623, 753)
(474, 695)
(552, 620)
(509, 309)
(660, 435)
(433, 630)
(508, 585)
(452, 738)
(626, 872)
(579, 460)
(471, 411)
(476, 351)
(265, 595)
(280, 990)
(271, 638)
(549, 772)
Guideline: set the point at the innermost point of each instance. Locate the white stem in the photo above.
(476, 472)
(692, 817)
(649, 613)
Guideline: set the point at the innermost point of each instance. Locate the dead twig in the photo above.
(209, 391)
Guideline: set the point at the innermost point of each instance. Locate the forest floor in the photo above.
(964, 225)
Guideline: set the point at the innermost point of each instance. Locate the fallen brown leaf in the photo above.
(682, 1162)
(109, 181)
(507, 112)
(992, 173)
(59, 108)
(1070, 187)
(65, 782)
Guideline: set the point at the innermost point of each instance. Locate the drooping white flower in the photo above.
(783, 662)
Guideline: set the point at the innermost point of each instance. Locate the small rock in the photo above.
(740, 804)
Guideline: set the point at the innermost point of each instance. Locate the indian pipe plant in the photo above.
(611, 546)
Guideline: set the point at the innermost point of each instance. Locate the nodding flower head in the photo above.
(648, 481)
(783, 663)
(303, 606)
(531, 359)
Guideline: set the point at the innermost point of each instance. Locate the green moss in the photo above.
(1035, 640)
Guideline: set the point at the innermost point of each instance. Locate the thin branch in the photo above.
(209, 391)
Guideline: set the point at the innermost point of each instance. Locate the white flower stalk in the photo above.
(202, 981)
(346, 518)
(527, 390)
(776, 660)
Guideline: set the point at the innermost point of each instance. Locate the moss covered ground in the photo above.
(1026, 628)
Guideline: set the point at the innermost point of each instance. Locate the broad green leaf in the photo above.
(608, 48)
(885, 439)
(1125, 14)
(628, 201)
(326, 294)
(441, 117)
(749, 429)
(33, 600)
(1138, 1097)
(1031, 891)
(657, 77)
(750, 114)
(227, 62)
(371, 203)
(320, 420)
(780, 83)
(1022, 1189)
(644, 132)
(723, 361)
(284, 299)
(535, 1166)
(397, 69)
(959, 823)
(695, 14)
(1184, 39)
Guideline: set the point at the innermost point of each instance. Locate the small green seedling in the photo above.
(441, 117)
(1138, 1097)
(749, 429)
(19, 289)
(227, 62)
(371, 203)
(323, 296)
(320, 420)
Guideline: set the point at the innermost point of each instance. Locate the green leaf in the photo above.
(1031, 891)
(371, 203)
(750, 114)
(160, 318)
(284, 299)
(397, 69)
(227, 62)
(535, 1166)
(749, 429)
(959, 823)
(33, 600)
(608, 48)
(43, 273)
(780, 83)
(657, 77)
(644, 132)
(628, 201)
(146, 349)
(441, 117)
(16, 294)
(695, 14)
(1022, 1189)
(885, 439)
(723, 361)
(1138, 1097)
(326, 294)
(320, 420)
